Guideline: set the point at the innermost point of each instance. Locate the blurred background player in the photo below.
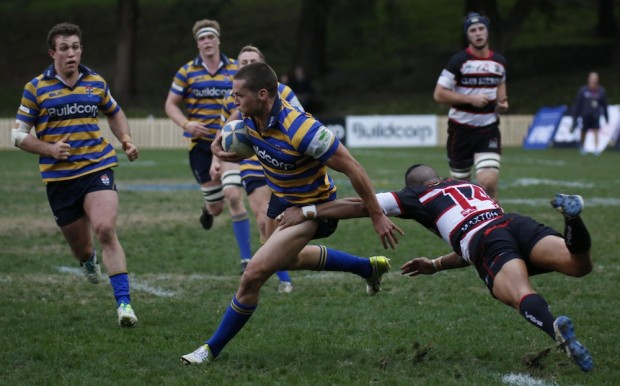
(201, 85)
(505, 248)
(252, 173)
(75, 161)
(474, 85)
(590, 104)
(295, 150)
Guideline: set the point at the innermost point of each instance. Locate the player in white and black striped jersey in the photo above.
(474, 85)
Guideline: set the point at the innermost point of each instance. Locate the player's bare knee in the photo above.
(106, 232)
(253, 278)
(582, 264)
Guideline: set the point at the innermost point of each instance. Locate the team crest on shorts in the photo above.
(105, 179)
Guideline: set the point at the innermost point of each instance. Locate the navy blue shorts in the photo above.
(200, 157)
(252, 183)
(464, 142)
(590, 123)
(66, 198)
(511, 237)
(326, 226)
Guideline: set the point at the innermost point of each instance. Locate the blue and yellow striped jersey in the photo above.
(55, 110)
(293, 150)
(250, 167)
(203, 92)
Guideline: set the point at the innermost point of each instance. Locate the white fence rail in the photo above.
(161, 133)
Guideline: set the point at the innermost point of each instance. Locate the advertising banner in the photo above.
(391, 130)
(543, 127)
(608, 131)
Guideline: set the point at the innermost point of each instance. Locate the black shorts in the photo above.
(464, 141)
(511, 237)
(200, 157)
(590, 123)
(326, 226)
(66, 198)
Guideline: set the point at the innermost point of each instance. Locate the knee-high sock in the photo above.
(241, 228)
(234, 319)
(576, 235)
(120, 285)
(334, 260)
(535, 310)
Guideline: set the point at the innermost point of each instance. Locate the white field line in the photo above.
(524, 380)
(135, 284)
(542, 181)
(588, 201)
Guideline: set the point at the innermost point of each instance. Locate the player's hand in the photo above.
(418, 266)
(196, 129)
(130, 150)
(502, 106)
(386, 230)
(61, 150)
(291, 216)
(218, 150)
(478, 100)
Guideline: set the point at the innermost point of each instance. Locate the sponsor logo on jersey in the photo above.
(272, 161)
(477, 219)
(80, 110)
(209, 92)
(480, 81)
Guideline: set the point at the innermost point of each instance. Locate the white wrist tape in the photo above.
(309, 211)
(19, 131)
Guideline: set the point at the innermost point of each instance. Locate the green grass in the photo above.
(446, 329)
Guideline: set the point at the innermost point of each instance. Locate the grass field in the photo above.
(445, 329)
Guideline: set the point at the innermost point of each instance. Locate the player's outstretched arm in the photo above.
(426, 266)
(344, 162)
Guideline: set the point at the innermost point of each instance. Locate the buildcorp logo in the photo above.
(392, 131)
(209, 92)
(272, 161)
(74, 109)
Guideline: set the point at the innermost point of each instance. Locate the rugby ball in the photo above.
(235, 138)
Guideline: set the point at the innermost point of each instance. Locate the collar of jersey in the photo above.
(275, 112)
(50, 72)
(223, 58)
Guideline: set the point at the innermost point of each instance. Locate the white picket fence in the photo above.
(161, 133)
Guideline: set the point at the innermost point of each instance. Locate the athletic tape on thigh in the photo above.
(487, 161)
(231, 178)
(460, 174)
(212, 194)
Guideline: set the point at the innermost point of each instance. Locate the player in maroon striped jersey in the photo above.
(505, 248)
(474, 85)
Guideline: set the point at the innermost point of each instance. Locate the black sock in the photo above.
(535, 310)
(576, 235)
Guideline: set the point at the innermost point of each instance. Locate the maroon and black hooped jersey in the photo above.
(469, 75)
(454, 210)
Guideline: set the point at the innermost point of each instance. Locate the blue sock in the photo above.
(241, 227)
(333, 260)
(120, 285)
(234, 319)
(284, 276)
